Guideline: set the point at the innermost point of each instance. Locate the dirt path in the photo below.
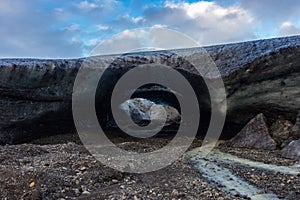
(219, 169)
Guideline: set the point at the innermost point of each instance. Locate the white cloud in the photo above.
(206, 22)
(128, 19)
(271, 14)
(272, 10)
(93, 42)
(137, 19)
(87, 6)
(34, 29)
(73, 27)
(28, 32)
(122, 43)
(59, 10)
(102, 27)
(156, 37)
(288, 28)
(28, 29)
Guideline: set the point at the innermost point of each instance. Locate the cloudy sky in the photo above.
(72, 28)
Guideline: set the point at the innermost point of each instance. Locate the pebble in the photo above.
(86, 193)
(83, 188)
(67, 184)
(114, 181)
(82, 168)
(135, 198)
(32, 184)
(164, 184)
(122, 186)
(175, 192)
(77, 192)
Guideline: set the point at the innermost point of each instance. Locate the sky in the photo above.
(73, 28)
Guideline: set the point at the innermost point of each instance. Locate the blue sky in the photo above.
(67, 29)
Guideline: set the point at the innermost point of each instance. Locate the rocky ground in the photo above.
(61, 168)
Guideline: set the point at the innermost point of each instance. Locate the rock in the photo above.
(295, 132)
(77, 192)
(143, 110)
(292, 150)
(254, 135)
(114, 181)
(175, 192)
(86, 193)
(82, 168)
(35, 98)
(280, 131)
(296, 129)
(259, 76)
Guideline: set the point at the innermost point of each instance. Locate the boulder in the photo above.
(294, 133)
(292, 150)
(280, 131)
(254, 135)
(143, 111)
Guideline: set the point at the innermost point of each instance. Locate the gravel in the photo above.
(56, 169)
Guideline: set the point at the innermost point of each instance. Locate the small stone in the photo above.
(175, 192)
(114, 181)
(67, 184)
(83, 188)
(83, 168)
(135, 198)
(77, 192)
(86, 193)
(32, 184)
